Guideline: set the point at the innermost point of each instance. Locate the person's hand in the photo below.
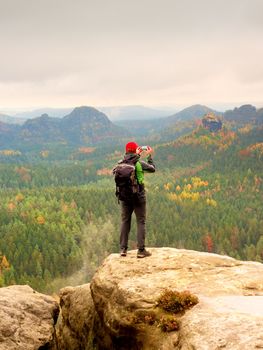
(146, 150)
(149, 150)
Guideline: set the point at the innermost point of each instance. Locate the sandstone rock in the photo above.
(27, 319)
(229, 314)
(75, 330)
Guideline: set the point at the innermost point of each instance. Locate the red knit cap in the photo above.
(131, 147)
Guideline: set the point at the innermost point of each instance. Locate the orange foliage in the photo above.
(255, 150)
(41, 220)
(257, 146)
(73, 204)
(86, 150)
(257, 181)
(167, 186)
(246, 129)
(244, 153)
(104, 172)
(11, 206)
(221, 140)
(24, 174)
(208, 243)
(198, 122)
(4, 263)
(19, 197)
(10, 152)
(188, 187)
(64, 208)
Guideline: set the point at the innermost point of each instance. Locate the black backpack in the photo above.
(125, 180)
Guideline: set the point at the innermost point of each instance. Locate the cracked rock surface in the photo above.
(27, 319)
(229, 314)
(75, 329)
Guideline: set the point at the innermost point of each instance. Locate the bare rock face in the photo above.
(75, 330)
(27, 319)
(229, 314)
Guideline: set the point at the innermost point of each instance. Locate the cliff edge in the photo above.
(119, 310)
(27, 319)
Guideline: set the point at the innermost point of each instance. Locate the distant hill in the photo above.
(113, 112)
(83, 126)
(8, 133)
(192, 113)
(169, 127)
(5, 118)
(86, 125)
(246, 113)
(53, 112)
(89, 126)
(260, 116)
(133, 112)
(225, 148)
(11, 120)
(184, 121)
(41, 129)
(180, 123)
(7, 128)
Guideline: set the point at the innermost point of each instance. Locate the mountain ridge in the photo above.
(84, 125)
(192, 112)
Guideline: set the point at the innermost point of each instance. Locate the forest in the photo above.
(59, 217)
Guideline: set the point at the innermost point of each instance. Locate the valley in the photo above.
(59, 217)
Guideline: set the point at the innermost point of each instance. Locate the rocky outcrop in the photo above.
(75, 330)
(27, 319)
(224, 286)
(212, 122)
(119, 309)
(229, 314)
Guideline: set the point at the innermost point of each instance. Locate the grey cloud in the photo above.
(121, 50)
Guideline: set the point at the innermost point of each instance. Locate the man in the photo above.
(136, 200)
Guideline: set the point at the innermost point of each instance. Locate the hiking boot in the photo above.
(143, 253)
(123, 252)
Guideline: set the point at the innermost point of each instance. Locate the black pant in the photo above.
(138, 205)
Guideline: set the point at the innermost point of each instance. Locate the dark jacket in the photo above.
(141, 166)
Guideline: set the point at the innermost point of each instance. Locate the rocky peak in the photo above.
(229, 314)
(84, 114)
(118, 310)
(211, 122)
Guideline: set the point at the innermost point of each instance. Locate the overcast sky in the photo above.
(66, 53)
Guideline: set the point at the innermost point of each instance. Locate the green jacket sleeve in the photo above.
(142, 166)
(139, 173)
